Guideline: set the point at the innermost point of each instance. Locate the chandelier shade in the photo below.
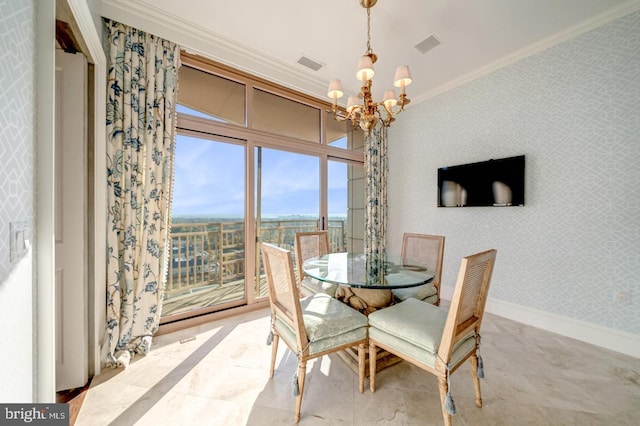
(389, 99)
(362, 110)
(335, 89)
(365, 69)
(402, 77)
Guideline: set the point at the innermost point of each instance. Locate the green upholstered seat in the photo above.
(414, 328)
(421, 292)
(328, 323)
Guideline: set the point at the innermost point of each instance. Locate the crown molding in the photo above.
(540, 46)
(201, 41)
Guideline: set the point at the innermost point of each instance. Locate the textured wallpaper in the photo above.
(17, 118)
(574, 112)
(17, 133)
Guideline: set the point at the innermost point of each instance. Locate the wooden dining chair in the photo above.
(429, 251)
(311, 327)
(434, 339)
(308, 245)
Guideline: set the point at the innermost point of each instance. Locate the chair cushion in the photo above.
(431, 299)
(414, 328)
(322, 345)
(328, 322)
(325, 317)
(413, 320)
(316, 286)
(420, 292)
(401, 347)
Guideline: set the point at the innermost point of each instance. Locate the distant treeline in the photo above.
(207, 219)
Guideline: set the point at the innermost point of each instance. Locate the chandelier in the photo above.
(362, 109)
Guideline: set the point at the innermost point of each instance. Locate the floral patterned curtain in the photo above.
(376, 170)
(142, 80)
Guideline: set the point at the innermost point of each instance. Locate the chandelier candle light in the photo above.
(362, 109)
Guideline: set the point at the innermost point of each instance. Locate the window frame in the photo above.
(251, 138)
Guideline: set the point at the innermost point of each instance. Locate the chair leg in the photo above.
(373, 350)
(302, 372)
(361, 361)
(274, 353)
(476, 381)
(444, 388)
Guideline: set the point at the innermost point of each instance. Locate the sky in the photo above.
(209, 180)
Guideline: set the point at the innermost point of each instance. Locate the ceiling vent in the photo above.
(310, 63)
(427, 44)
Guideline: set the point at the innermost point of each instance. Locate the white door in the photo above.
(71, 221)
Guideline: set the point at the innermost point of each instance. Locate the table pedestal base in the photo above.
(384, 359)
(365, 300)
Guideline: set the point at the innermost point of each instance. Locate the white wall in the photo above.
(17, 187)
(93, 7)
(574, 111)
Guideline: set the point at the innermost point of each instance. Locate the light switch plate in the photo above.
(20, 235)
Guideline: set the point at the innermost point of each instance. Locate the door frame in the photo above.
(97, 307)
(44, 359)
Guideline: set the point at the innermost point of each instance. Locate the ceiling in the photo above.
(267, 38)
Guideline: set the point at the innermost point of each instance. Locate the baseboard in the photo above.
(609, 338)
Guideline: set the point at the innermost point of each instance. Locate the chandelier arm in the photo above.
(386, 121)
(354, 113)
(339, 117)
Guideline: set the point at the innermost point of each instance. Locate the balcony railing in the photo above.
(208, 254)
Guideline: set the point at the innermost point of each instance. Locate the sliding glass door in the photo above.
(207, 258)
(287, 200)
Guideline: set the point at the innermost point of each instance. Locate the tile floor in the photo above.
(217, 374)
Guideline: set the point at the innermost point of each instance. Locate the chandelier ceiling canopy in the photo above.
(362, 110)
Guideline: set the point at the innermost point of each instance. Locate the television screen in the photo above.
(498, 182)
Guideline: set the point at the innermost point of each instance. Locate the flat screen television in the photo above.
(496, 182)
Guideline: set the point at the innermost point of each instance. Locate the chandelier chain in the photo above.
(369, 31)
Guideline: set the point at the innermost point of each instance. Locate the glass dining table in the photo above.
(366, 281)
(366, 284)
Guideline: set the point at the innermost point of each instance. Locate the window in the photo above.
(253, 161)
